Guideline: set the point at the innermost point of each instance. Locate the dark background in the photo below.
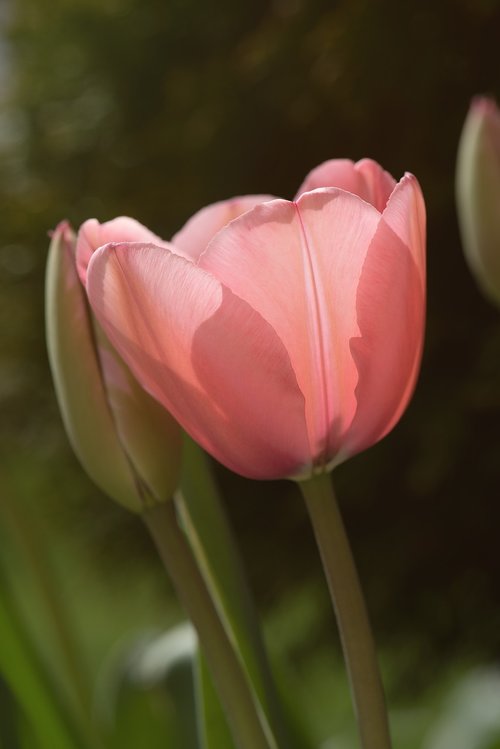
(153, 109)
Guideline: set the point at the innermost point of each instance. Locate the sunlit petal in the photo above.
(205, 354)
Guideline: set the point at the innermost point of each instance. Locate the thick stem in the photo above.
(350, 609)
(202, 515)
(248, 724)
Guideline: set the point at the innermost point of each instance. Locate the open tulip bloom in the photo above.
(284, 337)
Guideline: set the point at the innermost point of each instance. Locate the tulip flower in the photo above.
(284, 336)
(128, 444)
(478, 194)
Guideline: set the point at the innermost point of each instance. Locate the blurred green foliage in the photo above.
(153, 109)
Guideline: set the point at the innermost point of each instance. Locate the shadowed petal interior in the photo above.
(365, 178)
(196, 233)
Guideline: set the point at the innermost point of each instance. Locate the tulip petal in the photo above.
(205, 354)
(196, 233)
(391, 316)
(298, 265)
(379, 183)
(339, 173)
(366, 179)
(92, 235)
(405, 215)
(148, 434)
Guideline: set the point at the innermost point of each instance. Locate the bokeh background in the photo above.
(154, 108)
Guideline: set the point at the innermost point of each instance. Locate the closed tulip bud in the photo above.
(478, 194)
(128, 444)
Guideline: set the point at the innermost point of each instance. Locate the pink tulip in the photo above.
(283, 336)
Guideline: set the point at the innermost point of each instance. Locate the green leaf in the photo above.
(27, 536)
(213, 729)
(213, 544)
(149, 686)
(30, 683)
(9, 716)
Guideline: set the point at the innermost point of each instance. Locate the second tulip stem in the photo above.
(350, 609)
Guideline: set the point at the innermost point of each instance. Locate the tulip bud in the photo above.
(128, 444)
(478, 194)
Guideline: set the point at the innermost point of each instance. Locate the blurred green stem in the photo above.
(32, 683)
(350, 609)
(209, 533)
(29, 540)
(237, 697)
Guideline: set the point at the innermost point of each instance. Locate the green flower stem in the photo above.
(204, 520)
(242, 711)
(350, 609)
